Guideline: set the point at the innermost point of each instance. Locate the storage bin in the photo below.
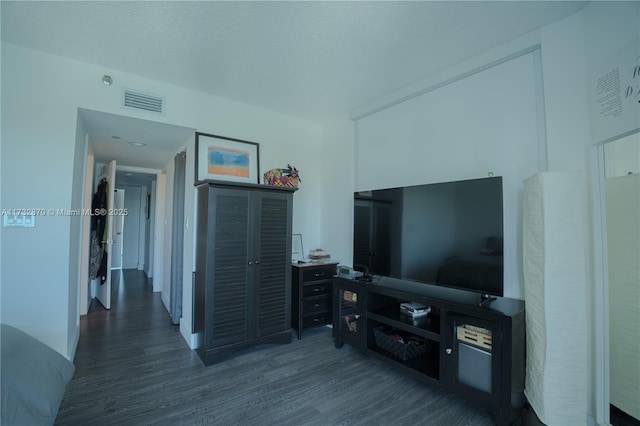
(410, 347)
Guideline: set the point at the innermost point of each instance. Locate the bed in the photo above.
(34, 377)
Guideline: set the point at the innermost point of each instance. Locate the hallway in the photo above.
(125, 356)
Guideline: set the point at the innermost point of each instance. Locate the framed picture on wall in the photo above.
(226, 159)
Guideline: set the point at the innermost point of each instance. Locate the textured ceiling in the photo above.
(310, 59)
(315, 60)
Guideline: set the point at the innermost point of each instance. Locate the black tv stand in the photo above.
(476, 352)
(486, 300)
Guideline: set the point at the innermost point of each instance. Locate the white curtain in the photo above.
(555, 295)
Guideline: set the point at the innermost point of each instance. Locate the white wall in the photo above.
(86, 229)
(158, 243)
(39, 145)
(76, 240)
(168, 235)
(39, 139)
(131, 231)
(336, 193)
(189, 258)
(612, 27)
(142, 220)
(147, 229)
(460, 131)
(307, 199)
(152, 230)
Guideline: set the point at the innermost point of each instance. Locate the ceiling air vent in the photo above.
(143, 101)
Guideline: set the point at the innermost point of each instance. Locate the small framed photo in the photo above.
(297, 252)
(226, 159)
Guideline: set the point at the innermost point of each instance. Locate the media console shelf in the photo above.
(476, 352)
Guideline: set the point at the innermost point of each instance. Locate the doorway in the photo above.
(138, 146)
(118, 204)
(137, 230)
(619, 176)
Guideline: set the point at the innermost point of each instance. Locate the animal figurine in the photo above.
(282, 177)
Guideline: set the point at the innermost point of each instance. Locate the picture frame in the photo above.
(297, 252)
(226, 159)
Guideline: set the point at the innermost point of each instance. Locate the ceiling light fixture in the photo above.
(107, 80)
(136, 143)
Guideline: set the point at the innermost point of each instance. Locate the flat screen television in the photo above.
(449, 234)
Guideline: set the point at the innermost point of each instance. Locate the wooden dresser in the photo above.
(311, 303)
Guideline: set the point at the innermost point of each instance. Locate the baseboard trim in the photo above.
(73, 345)
(191, 339)
(166, 302)
(591, 421)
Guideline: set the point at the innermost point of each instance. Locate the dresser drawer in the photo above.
(318, 273)
(315, 305)
(317, 289)
(317, 319)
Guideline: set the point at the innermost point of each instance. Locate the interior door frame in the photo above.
(85, 282)
(158, 214)
(601, 280)
(103, 292)
(601, 286)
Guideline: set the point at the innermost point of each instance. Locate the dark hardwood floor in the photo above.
(133, 367)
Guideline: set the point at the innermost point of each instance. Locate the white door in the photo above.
(118, 205)
(131, 240)
(103, 293)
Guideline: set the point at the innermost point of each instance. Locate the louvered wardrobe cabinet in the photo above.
(242, 294)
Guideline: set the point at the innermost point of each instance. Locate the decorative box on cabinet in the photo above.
(243, 267)
(311, 295)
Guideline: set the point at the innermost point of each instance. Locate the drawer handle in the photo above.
(316, 319)
(317, 289)
(318, 274)
(317, 305)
